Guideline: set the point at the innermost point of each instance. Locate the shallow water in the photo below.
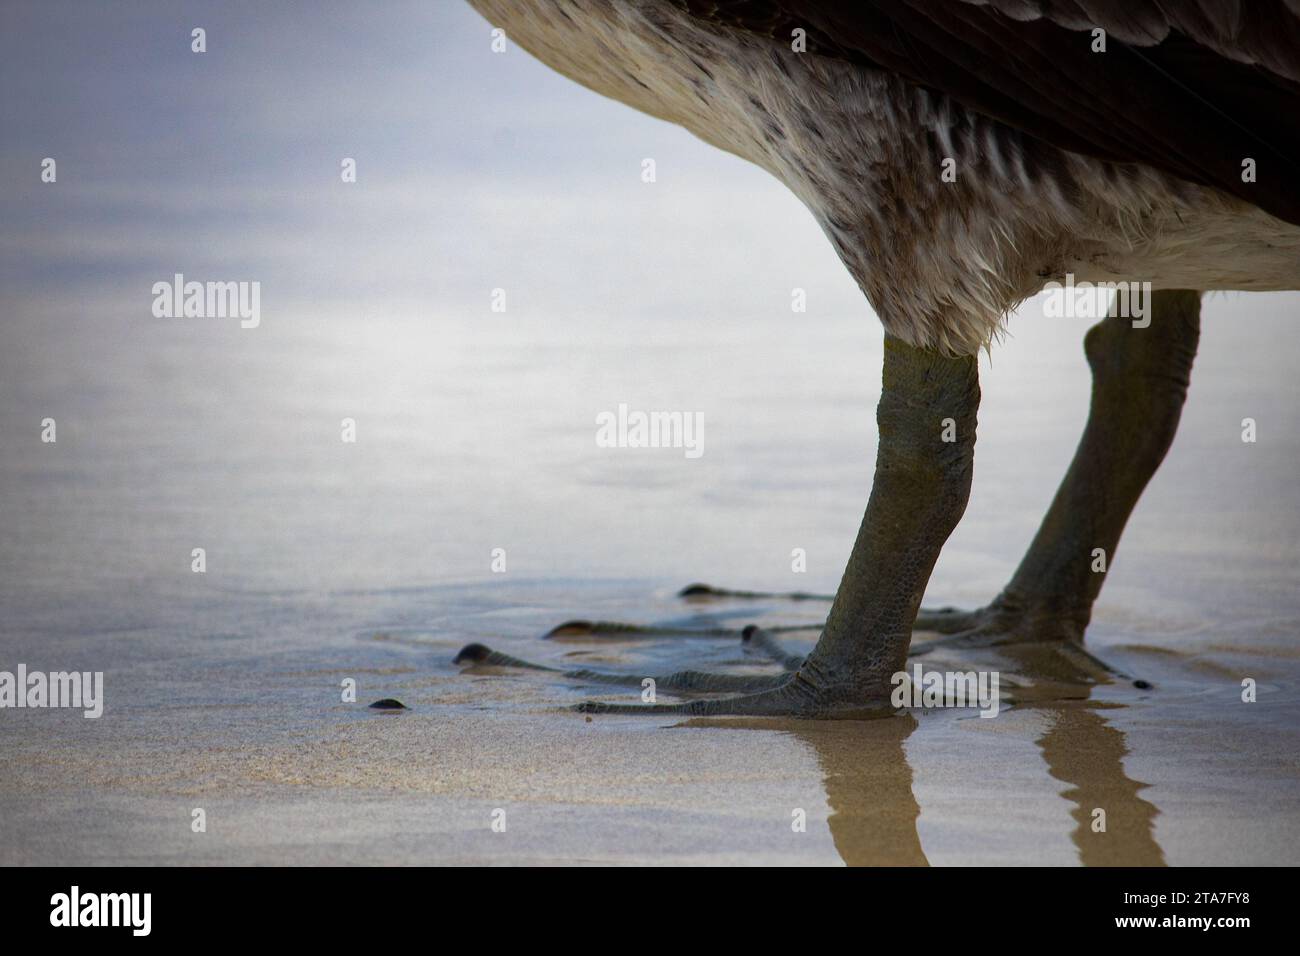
(372, 561)
(475, 431)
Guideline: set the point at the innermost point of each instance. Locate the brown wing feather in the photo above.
(1191, 87)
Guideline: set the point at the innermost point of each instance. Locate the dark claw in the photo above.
(709, 591)
(482, 654)
(571, 629)
(471, 654)
(696, 590)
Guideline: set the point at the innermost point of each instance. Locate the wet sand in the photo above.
(373, 562)
(1186, 773)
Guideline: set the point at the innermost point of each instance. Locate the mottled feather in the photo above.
(1192, 88)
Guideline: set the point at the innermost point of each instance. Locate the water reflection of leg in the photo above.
(869, 788)
(1085, 751)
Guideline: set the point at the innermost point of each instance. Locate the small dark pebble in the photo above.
(388, 703)
(1141, 685)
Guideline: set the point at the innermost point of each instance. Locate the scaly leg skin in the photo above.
(1139, 382)
(921, 486)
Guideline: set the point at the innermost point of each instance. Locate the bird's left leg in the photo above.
(926, 420)
(1140, 380)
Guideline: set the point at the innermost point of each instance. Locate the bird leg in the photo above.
(1139, 382)
(926, 420)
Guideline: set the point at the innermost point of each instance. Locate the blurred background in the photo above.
(475, 429)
